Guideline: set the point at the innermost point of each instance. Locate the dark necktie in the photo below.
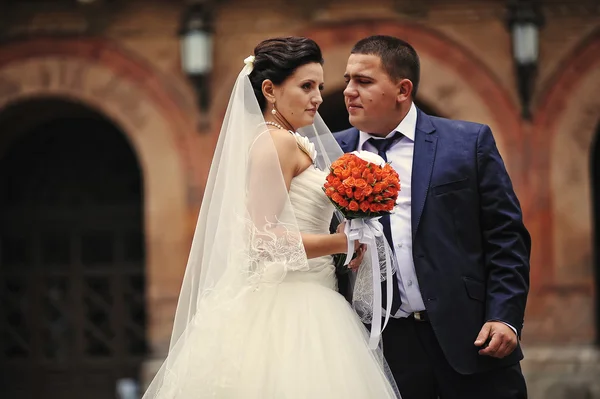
(382, 145)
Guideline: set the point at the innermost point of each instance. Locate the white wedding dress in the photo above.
(297, 339)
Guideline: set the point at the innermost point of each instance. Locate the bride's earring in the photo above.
(274, 111)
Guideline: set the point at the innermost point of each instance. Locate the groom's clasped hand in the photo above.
(496, 339)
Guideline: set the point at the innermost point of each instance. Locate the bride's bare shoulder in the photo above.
(284, 141)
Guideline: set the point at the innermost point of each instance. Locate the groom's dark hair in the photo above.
(398, 58)
(278, 58)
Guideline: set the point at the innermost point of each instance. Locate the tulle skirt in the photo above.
(292, 340)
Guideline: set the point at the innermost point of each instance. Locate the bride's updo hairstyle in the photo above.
(277, 59)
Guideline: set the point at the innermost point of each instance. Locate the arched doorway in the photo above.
(72, 310)
(595, 174)
(334, 113)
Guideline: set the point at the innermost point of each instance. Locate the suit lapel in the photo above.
(349, 141)
(423, 159)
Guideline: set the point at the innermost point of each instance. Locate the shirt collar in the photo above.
(407, 127)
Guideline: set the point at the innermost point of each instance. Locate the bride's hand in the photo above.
(359, 250)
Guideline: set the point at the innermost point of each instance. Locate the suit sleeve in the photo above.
(506, 241)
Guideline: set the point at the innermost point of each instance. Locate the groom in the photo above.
(457, 232)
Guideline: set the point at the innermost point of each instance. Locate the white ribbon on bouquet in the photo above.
(366, 231)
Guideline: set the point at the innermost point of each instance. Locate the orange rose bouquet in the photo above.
(362, 185)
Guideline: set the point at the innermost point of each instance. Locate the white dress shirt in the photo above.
(400, 154)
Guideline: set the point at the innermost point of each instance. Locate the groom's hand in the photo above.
(360, 254)
(502, 340)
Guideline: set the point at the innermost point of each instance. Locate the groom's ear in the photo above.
(405, 88)
(268, 89)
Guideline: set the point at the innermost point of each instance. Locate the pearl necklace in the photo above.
(277, 125)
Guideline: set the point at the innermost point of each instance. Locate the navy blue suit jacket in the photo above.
(471, 249)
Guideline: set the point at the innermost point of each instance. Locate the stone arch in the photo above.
(125, 89)
(564, 129)
(563, 136)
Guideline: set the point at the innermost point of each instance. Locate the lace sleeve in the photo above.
(273, 251)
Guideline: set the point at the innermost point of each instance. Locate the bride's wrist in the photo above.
(342, 242)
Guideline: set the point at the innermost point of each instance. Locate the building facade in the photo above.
(103, 166)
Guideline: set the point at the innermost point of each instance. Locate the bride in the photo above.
(259, 315)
